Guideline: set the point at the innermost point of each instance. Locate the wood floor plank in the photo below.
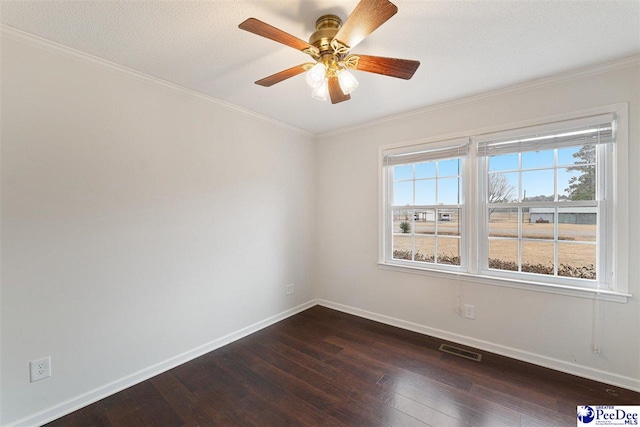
(183, 402)
(453, 402)
(424, 413)
(307, 403)
(329, 396)
(322, 367)
(92, 415)
(532, 407)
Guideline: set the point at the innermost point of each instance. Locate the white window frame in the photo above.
(602, 203)
(458, 144)
(617, 212)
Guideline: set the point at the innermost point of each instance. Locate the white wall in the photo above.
(138, 223)
(552, 330)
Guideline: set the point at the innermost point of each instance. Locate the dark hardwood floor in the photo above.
(326, 368)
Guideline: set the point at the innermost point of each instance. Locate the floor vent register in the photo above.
(461, 352)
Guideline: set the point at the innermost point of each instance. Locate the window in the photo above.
(532, 205)
(544, 201)
(425, 206)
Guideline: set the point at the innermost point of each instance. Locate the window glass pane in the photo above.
(449, 222)
(537, 257)
(537, 159)
(426, 170)
(577, 224)
(402, 238)
(503, 254)
(577, 260)
(585, 154)
(402, 193)
(426, 192)
(402, 222)
(402, 246)
(503, 162)
(425, 248)
(425, 222)
(537, 223)
(503, 222)
(577, 183)
(449, 191)
(402, 172)
(566, 156)
(503, 187)
(449, 167)
(565, 177)
(537, 186)
(448, 251)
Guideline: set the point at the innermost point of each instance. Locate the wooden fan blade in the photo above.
(394, 67)
(282, 75)
(365, 18)
(335, 92)
(260, 28)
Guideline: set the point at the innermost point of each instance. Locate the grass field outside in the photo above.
(576, 243)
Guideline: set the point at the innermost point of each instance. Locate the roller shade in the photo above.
(591, 130)
(452, 149)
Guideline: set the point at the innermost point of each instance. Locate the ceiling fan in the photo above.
(330, 47)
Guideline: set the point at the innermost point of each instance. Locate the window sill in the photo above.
(603, 295)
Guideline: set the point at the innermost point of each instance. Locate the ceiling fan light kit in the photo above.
(330, 45)
(321, 91)
(348, 82)
(316, 75)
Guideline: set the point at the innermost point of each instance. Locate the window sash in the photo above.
(521, 237)
(438, 236)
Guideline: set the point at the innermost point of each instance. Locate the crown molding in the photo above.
(51, 46)
(626, 62)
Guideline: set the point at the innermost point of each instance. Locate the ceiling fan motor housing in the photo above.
(327, 27)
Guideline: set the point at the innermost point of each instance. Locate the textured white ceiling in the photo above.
(465, 47)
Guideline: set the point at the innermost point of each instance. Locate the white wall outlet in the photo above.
(470, 311)
(289, 288)
(40, 369)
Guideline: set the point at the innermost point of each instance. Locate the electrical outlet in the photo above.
(40, 369)
(289, 288)
(470, 311)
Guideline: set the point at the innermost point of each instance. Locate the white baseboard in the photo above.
(106, 390)
(99, 393)
(525, 356)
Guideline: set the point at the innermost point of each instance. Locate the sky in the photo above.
(537, 176)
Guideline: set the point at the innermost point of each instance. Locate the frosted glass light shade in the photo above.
(348, 82)
(316, 74)
(321, 91)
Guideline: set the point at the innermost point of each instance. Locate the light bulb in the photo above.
(321, 91)
(348, 82)
(316, 74)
